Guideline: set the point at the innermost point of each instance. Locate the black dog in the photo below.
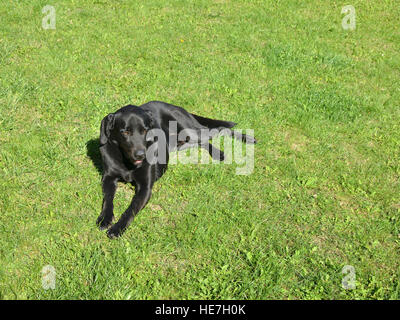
(132, 138)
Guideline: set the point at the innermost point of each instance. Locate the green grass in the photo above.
(325, 106)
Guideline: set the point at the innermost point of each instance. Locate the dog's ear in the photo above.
(107, 124)
(150, 122)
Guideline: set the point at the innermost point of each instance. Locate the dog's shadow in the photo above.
(93, 152)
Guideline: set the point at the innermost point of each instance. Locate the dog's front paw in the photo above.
(115, 231)
(103, 222)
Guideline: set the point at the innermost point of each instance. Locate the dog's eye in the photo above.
(126, 133)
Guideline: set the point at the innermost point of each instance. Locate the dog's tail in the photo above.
(213, 123)
(221, 125)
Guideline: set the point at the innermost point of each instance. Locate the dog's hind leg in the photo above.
(214, 152)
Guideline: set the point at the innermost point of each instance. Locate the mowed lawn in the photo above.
(324, 104)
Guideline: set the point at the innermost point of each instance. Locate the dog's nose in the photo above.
(139, 154)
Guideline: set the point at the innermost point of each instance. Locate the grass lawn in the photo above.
(324, 104)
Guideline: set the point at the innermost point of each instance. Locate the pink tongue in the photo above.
(138, 161)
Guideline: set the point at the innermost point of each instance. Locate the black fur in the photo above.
(124, 141)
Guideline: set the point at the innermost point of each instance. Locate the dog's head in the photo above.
(127, 128)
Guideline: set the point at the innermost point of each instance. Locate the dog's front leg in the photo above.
(140, 199)
(107, 215)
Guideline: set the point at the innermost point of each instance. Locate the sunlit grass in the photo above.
(324, 105)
